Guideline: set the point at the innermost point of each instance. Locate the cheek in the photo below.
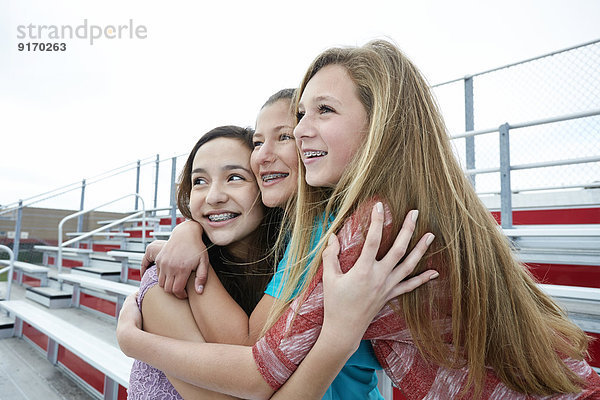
(251, 199)
(196, 202)
(254, 162)
(290, 159)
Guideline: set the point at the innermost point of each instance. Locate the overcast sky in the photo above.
(73, 114)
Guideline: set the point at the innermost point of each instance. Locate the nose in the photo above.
(216, 194)
(304, 129)
(264, 153)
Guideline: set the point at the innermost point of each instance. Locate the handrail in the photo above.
(553, 53)
(543, 188)
(10, 269)
(102, 228)
(526, 124)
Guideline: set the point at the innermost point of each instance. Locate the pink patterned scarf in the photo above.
(285, 345)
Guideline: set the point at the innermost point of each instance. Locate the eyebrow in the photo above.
(276, 129)
(228, 167)
(321, 98)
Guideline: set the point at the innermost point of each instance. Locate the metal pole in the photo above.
(80, 219)
(469, 126)
(11, 269)
(137, 184)
(156, 181)
(173, 190)
(17, 239)
(505, 189)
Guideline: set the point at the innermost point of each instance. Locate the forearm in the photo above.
(218, 316)
(205, 365)
(320, 367)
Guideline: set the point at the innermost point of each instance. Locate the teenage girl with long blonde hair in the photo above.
(369, 133)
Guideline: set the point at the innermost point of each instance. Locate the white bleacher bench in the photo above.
(35, 271)
(109, 234)
(567, 230)
(569, 244)
(163, 235)
(120, 290)
(133, 256)
(582, 304)
(104, 357)
(139, 219)
(127, 258)
(67, 252)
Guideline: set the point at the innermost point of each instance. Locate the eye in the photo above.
(198, 181)
(235, 178)
(324, 109)
(299, 115)
(285, 136)
(257, 143)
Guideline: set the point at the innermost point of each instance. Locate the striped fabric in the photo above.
(285, 345)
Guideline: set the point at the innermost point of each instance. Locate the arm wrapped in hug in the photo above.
(289, 340)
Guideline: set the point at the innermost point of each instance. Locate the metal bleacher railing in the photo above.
(557, 147)
(62, 245)
(9, 270)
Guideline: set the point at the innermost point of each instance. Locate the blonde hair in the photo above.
(499, 317)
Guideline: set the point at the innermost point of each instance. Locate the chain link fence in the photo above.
(558, 84)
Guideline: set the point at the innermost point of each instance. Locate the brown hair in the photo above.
(245, 280)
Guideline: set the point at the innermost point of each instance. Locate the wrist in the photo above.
(343, 342)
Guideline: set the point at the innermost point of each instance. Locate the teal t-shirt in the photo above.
(357, 380)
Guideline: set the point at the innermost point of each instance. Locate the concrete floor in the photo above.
(25, 373)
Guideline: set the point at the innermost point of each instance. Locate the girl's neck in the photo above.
(240, 249)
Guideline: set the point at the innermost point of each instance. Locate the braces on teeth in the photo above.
(273, 176)
(221, 217)
(314, 153)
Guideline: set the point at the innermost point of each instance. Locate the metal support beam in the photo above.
(52, 354)
(17, 240)
(173, 193)
(469, 126)
(111, 389)
(157, 164)
(505, 188)
(81, 204)
(137, 184)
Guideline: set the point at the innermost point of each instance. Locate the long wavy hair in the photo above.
(499, 317)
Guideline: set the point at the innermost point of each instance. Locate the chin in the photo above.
(318, 182)
(275, 200)
(219, 240)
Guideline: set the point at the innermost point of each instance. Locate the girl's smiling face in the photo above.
(332, 125)
(225, 198)
(274, 160)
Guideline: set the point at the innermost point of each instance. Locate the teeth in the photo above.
(269, 177)
(310, 154)
(221, 217)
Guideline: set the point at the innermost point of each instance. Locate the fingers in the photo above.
(201, 273)
(132, 298)
(331, 263)
(407, 266)
(169, 284)
(373, 239)
(179, 284)
(411, 284)
(398, 249)
(147, 260)
(161, 277)
(146, 263)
